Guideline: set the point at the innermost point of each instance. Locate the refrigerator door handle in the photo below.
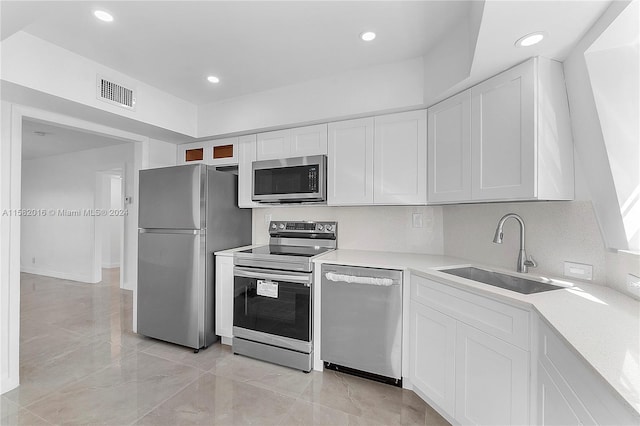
(170, 231)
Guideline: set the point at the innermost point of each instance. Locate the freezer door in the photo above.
(170, 283)
(172, 197)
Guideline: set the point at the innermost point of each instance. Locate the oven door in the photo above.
(290, 180)
(272, 307)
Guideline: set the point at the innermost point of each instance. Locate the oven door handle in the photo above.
(265, 274)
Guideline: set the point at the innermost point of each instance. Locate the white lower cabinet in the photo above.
(224, 296)
(570, 392)
(433, 343)
(492, 380)
(553, 408)
(471, 376)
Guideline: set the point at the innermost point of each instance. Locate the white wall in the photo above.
(160, 154)
(9, 318)
(587, 133)
(64, 246)
(382, 228)
(385, 87)
(37, 64)
(112, 232)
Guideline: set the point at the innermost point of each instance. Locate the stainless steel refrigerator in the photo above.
(186, 214)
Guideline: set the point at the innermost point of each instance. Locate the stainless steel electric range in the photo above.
(273, 285)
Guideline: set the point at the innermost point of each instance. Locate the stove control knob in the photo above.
(281, 226)
(329, 228)
(274, 226)
(320, 227)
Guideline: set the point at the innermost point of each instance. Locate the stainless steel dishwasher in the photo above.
(361, 321)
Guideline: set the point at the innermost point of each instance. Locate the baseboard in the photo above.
(57, 274)
(8, 383)
(110, 265)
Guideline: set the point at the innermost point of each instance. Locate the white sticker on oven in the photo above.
(268, 289)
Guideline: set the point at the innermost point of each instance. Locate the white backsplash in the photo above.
(555, 232)
(380, 228)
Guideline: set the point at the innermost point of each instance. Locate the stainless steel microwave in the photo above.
(290, 180)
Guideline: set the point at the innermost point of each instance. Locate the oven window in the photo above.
(286, 180)
(286, 315)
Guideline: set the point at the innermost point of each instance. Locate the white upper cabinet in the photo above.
(400, 158)
(246, 156)
(350, 163)
(310, 140)
(449, 149)
(219, 152)
(512, 133)
(298, 142)
(503, 135)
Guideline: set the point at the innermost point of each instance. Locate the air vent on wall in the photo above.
(116, 94)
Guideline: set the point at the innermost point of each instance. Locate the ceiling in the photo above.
(254, 46)
(58, 140)
(250, 45)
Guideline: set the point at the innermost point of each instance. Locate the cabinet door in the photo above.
(246, 156)
(503, 135)
(310, 140)
(553, 408)
(224, 152)
(400, 158)
(274, 145)
(432, 343)
(350, 163)
(449, 150)
(492, 380)
(224, 296)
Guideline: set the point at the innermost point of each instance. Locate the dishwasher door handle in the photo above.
(353, 279)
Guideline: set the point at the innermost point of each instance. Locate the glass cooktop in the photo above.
(281, 250)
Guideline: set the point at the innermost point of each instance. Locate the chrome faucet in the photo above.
(523, 262)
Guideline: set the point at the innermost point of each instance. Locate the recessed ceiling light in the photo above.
(368, 35)
(213, 79)
(103, 16)
(530, 39)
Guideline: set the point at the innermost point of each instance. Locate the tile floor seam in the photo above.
(144, 351)
(168, 398)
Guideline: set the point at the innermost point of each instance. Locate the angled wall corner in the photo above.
(450, 61)
(589, 140)
(613, 66)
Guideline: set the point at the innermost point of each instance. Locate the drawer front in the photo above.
(503, 321)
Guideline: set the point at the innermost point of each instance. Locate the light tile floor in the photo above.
(80, 363)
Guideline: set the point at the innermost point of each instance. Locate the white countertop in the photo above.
(598, 323)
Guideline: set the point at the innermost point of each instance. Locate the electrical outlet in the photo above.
(33, 259)
(267, 218)
(578, 270)
(633, 284)
(417, 220)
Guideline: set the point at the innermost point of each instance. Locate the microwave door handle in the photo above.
(262, 275)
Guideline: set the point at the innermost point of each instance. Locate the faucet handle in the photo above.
(530, 262)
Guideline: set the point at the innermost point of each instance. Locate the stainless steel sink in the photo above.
(520, 285)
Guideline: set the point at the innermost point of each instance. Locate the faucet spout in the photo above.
(523, 262)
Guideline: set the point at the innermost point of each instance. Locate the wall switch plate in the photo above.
(417, 220)
(578, 270)
(33, 259)
(633, 284)
(267, 219)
